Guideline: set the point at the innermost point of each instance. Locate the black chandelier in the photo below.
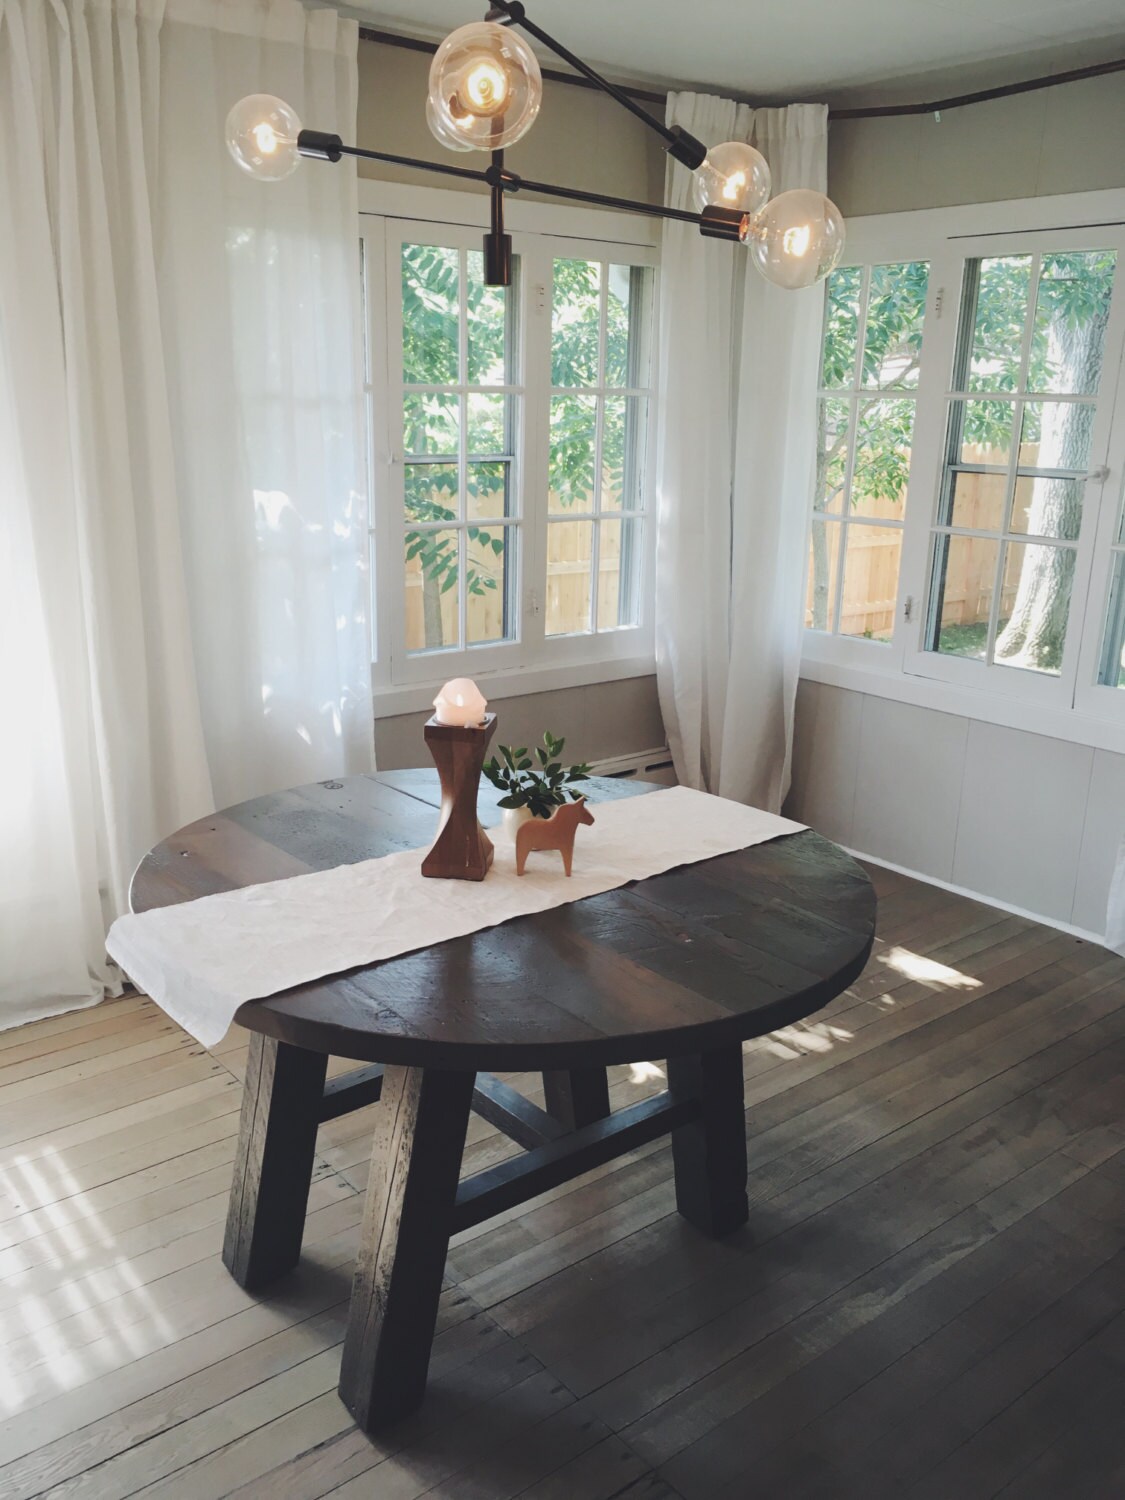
(485, 91)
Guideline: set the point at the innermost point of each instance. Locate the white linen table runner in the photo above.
(200, 960)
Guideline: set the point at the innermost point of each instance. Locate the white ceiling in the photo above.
(782, 47)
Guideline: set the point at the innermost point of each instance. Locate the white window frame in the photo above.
(1072, 706)
(389, 214)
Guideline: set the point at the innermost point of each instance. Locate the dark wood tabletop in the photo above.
(708, 953)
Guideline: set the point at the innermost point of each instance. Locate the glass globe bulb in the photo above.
(734, 175)
(797, 239)
(485, 87)
(441, 134)
(261, 135)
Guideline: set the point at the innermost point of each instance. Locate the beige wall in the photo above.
(599, 722)
(1066, 139)
(581, 138)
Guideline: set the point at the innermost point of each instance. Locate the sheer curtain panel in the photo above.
(734, 465)
(183, 615)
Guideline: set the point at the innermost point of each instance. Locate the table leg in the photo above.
(281, 1102)
(415, 1163)
(577, 1096)
(709, 1154)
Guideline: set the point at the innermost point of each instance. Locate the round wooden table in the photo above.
(683, 966)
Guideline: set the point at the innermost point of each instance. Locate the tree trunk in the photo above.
(431, 611)
(1035, 633)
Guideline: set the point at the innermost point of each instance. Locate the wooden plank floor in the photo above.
(929, 1300)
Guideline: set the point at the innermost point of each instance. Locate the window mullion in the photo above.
(536, 341)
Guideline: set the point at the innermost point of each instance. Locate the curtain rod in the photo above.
(556, 75)
(875, 112)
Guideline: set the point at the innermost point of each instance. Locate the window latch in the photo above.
(908, 608)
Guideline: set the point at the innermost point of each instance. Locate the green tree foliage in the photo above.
(431, 292)
(1067, 331)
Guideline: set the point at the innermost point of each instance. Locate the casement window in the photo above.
(870, 359)
(966, 520)
(510, 443)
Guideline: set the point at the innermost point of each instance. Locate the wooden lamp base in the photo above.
(462, 849)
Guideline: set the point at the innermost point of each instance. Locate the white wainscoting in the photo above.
(1019, 819)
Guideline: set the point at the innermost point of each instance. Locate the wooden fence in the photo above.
(569, 557)
(871, 567)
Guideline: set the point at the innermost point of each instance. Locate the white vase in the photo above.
(514, 817)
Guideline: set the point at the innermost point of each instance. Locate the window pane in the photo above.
(1057, 434)
(1034, 606)
(431, 423)
(833, 424)
(488, 424)
(574, 322)
(431, 492)
(964, 581)
(624, 435)
(1112, 669)
(1071, 312)
(431, 289)
(870, 581)
(984, 431)
(841, 326)
(882, 459)
(625, 352)
(487, 312)
(976, 501)
(570, 550)
(432, 599)
(824, 556)
(571, 466)
(489, 490)
(1048, 507)
(618, 560)
(896, 308)
(488, 616)
(999, 319)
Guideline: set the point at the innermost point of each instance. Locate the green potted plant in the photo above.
(533, 790)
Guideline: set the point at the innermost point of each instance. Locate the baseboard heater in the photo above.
(645, 765)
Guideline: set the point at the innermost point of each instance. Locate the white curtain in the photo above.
(183, 616)
(735, 461)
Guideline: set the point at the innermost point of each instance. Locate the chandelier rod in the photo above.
(678, 142)
(718, 223)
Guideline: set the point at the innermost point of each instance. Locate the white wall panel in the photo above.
(1101, 838)
(1023, 802)
(908, 785)
(1017, 818)
(825, 757)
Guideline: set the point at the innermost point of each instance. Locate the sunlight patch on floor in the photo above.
(927, 970)
(92, 1312)
(812, 1036)
(645, 1072)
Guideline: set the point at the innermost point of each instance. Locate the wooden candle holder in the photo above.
(462, 850)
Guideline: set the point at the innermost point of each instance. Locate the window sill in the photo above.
(418, 697)
(970, 703)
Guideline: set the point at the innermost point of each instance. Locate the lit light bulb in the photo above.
(797, 239)
(734, 175)
(485, 87)
(261, 135)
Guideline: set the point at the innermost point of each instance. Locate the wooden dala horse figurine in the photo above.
(555, 832)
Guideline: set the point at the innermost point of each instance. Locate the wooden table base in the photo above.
(415, 1200)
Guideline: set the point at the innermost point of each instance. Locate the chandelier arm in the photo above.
(678, 142)
(724, 223)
